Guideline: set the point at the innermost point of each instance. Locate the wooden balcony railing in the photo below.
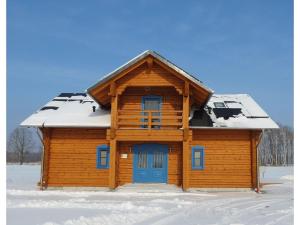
(129, 119)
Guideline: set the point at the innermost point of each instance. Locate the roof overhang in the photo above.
(140, 59)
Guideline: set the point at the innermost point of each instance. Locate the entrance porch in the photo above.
(149, 162)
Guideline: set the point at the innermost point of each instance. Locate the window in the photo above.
(233, 104)
(151, 103)
(158, 158)
(102, 157)
(198, 158)
(219, 104)
(142, 160)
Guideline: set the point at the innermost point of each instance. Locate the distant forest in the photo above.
(276, 147)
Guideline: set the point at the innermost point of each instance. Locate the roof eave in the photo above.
(232, 128)
(65, 126)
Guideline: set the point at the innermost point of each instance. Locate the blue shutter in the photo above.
(102, 148)
(199, 149)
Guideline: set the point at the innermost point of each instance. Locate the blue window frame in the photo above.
(151, 102)
(102, 157)
(198, 158)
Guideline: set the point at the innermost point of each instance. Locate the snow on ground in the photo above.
(147, 204)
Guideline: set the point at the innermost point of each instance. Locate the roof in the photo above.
(76, 110)
(69, 110)
(233, 111)
(160, 58)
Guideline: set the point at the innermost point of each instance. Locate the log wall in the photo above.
(72, 158)
(227, 160)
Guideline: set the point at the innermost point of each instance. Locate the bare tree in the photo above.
(20, 143)
(277, 147)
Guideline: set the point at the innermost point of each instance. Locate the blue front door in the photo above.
(150, 163)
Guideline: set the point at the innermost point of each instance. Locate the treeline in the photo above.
(277, 147)
(23, 146)
(28, 157)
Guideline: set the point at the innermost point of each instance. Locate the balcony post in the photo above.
(149, 120)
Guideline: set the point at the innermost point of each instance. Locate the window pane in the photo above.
(197, 162)
(103, 154)
(158, 160)
(197, 155)
(151, 104)
(219, 104)
(103, 161)
(142, 160)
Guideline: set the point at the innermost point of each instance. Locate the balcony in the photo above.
(149, 120)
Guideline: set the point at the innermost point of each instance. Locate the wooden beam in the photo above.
(143, 135)
(106, 84)
(253, 159)
(108, 134)
(186, 144)
(113, 142)
(46, 156)
(185, 111)
(149, 64)
(101, 95)
(149, 121)
(114, 112)
(258, 139)
(186, 134)
(112, 164)
(120, 90)
(186, 91)
(112, 133)
(112, 89)
(185, 164)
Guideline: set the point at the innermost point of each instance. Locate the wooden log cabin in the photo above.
(149, 121)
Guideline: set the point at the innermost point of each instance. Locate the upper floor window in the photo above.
(151, 104)
(102, 157)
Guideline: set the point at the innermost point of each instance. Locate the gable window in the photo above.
(102, 157)
(219, 104)
(198, 158)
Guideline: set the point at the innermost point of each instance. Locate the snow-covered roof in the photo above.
(238, 111)
(157, 56)
(69, 110)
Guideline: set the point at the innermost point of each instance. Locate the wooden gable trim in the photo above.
(98, 88)
(192, 86)
(202, 97)
(112, 89)
(186, 90)
(146, 71)
(149, 64)
(180, 76)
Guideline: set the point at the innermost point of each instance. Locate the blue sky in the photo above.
(232, 46)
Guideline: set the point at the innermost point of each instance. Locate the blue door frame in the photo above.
(150, 163)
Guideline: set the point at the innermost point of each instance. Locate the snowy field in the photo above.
(147, 205)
